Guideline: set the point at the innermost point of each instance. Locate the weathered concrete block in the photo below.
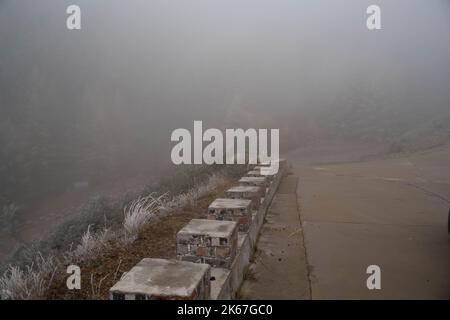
(227, 284)
(254, 173)
(281, 163)
(254, 181)
(208, 241)
(258, 168)
(246, 192)
(160, 279)
(239, 210)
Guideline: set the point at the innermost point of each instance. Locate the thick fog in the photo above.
(104, 99)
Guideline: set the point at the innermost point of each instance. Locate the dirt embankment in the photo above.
(36, 221)
(158, 240)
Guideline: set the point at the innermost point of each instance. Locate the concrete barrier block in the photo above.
(281, 163)
(238, 210)
(247, 192)
(254, 173)
(228, 283)
(160, 279)
(258, 168)
(254, 181)
(208, 241)
(271, 176)
(257, 173)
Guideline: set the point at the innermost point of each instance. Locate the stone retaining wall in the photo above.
(213, 254)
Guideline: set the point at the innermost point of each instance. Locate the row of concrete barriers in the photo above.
(212, 253)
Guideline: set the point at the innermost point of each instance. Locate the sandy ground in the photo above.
(359, 207)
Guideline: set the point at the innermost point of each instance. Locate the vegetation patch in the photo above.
(104, 234)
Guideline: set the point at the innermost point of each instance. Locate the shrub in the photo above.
(139, 212)
(31, 283)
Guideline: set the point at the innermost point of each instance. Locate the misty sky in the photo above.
(161, 64)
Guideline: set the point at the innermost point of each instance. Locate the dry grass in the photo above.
(139, 213)
(90, 246)
(190, 197)
(31, 283)
(156, 240)
(35, 280)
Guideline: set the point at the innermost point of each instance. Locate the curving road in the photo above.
(388, 212)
